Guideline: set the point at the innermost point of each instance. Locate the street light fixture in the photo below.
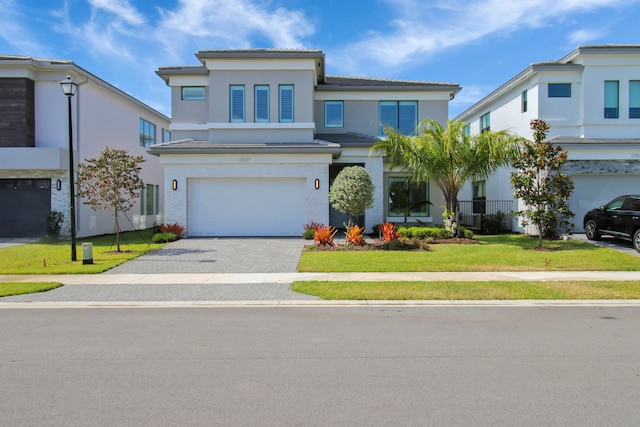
(69, 87)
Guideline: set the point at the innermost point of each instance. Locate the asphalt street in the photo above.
(319, 366)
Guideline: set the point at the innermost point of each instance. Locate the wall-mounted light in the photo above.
(317, 184)
(174, 184)
(58, 185)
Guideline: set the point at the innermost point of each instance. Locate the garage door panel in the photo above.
(592, 191)
(246, 207)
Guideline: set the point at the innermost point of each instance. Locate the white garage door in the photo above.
(246, 207)
(592, 191)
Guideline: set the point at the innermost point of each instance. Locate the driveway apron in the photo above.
(219, 255)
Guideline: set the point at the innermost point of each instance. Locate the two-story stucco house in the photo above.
(34, 144)
(259, 135)
(591, 100)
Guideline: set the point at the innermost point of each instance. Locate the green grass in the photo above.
(20, 288)
(30, 258)
(495, 253)
(446, 290)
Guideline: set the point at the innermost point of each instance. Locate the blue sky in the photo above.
(479, 44)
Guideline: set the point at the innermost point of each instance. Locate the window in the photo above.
(166, 135)
(193, 93)
(466, 130)
(147, 133)
(400, 115)
(286, 103)
(262, 103)
(150, 200)
(634, 99)
(236, 107)
(406, 198)
(485, 123)
(611, 98)
(559, 90)
(479, 197)
(524, 98)
(333, 114)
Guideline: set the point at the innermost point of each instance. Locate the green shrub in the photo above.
(164, 237)
(466, 233)
(495, 223)
(54, 223)
(424, 232)
(308, 233)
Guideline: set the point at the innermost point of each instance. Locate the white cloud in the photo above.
(420, 30)
(17, 35)
(121, 8)
(469, 95)
(230, 24)
(579, 37)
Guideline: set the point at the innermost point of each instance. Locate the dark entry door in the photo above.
(338, 219)
(24, 207)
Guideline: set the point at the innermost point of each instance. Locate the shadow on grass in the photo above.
(531, 242)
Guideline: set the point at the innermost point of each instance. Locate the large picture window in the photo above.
(236, 107)
(406, 198)
(399, 115)
(193, 93)
(147, 133)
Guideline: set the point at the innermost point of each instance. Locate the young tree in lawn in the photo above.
(540, 184)
(352, 192)
(447, 157)
(111, 181)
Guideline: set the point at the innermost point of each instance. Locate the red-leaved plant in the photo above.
(324, 235)
(355, 235)
(174, 228)
(388, 231)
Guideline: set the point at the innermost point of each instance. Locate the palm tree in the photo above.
(447, 157)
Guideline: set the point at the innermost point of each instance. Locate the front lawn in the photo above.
(55, 258)
(447, 290)
(20, 288)
(495, 253)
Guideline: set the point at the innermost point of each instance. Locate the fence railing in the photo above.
(492, 216)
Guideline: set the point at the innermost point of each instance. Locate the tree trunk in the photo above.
(452, 215)
(117, 232)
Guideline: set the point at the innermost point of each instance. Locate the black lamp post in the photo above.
(69, 87)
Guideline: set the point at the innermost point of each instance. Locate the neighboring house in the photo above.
(259, 135)
(34, 142)
(591, 100)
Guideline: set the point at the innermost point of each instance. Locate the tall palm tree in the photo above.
(447, 157)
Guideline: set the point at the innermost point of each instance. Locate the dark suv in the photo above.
(619, 218)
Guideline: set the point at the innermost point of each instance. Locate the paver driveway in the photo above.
(219, 255)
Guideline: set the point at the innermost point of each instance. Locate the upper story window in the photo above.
(333, 114)
(524, 101)
(193, 93)
(166, 135)
(466, 130)
(485, 123)
(559, 90)
(611, 99)
(634, 99)
(147, 133)
(261, 103)
(400, 115)
(236, 104)
(286, 103)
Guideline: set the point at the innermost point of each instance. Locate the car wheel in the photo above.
(636, 240)
(592, 230)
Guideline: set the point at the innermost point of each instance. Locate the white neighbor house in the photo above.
(591, 100)
(259, 135)
(34, 141)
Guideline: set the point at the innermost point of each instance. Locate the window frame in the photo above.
(282, 117)
(634, 99)
(399, 119)
(147, 133)
(611, 96)
(485, 122)
(559, 90)
(339, 121)
(234, 109)
(196, 97)
(259, 116)
(412, 188)
(524, 101)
